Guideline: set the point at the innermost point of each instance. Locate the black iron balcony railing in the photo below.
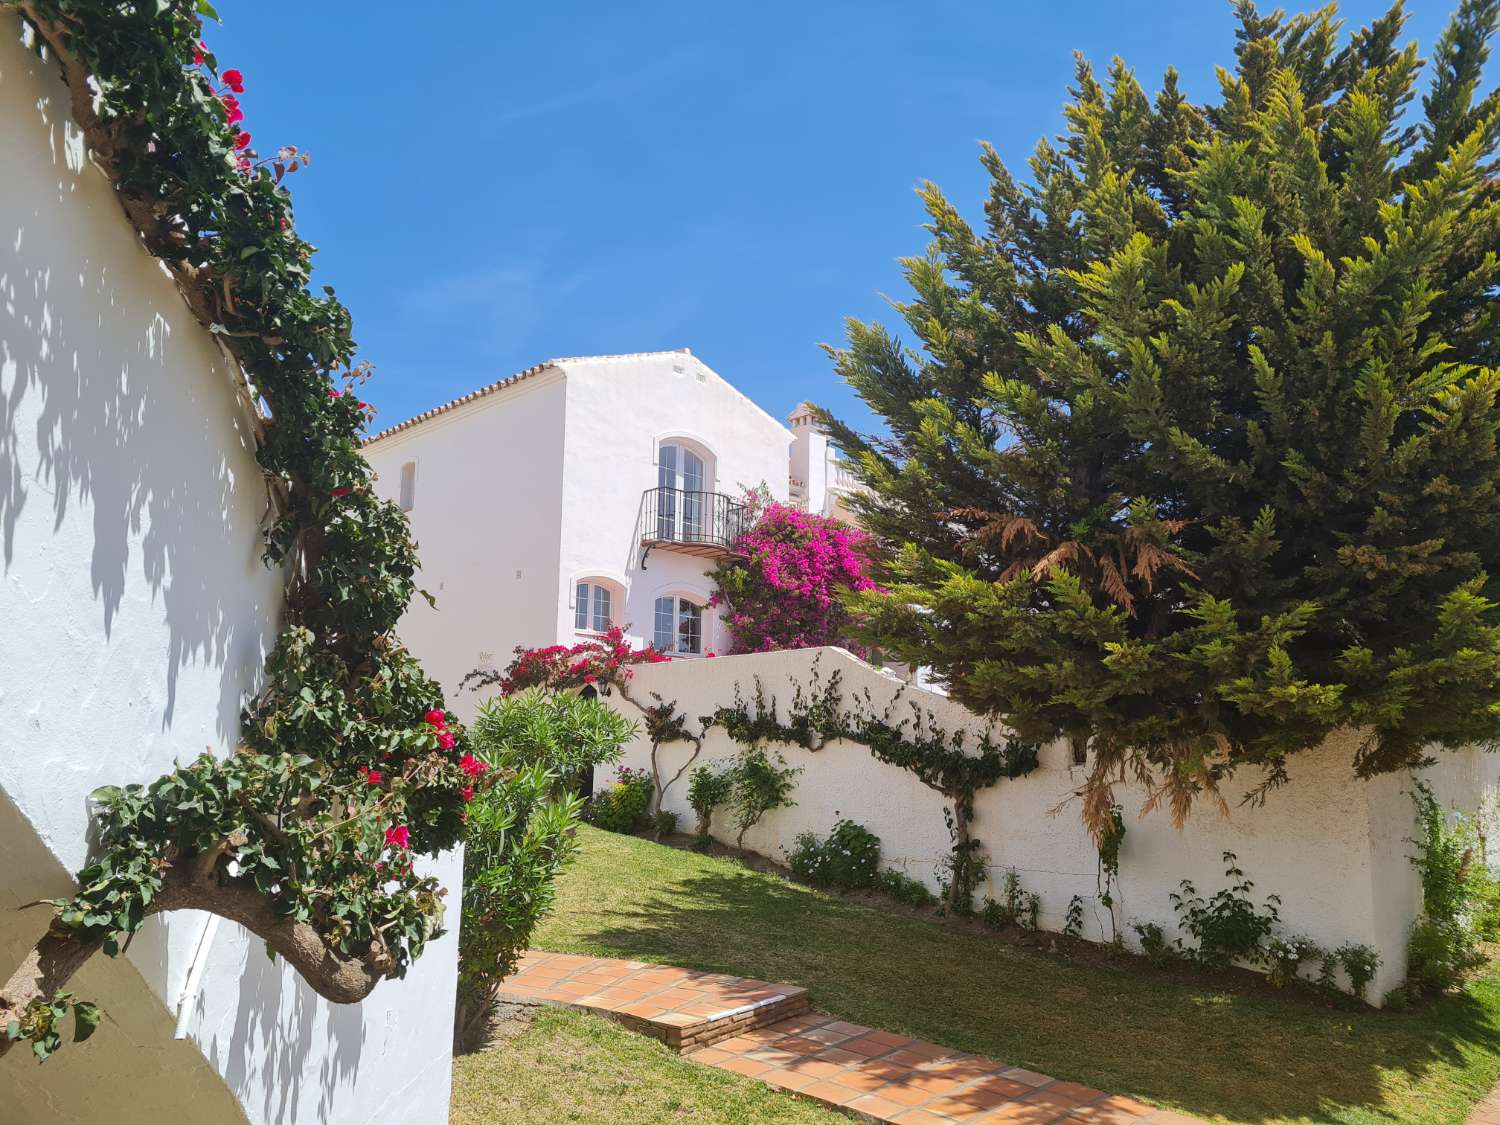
(700, 523)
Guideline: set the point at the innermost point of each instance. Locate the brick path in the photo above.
(1487, 1112)
(767, 1031)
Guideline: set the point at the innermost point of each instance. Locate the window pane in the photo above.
(581, 606)
(666, 498)
(601, 608)
(664, 623)
(689, 626)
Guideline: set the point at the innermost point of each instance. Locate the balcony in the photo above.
(704, 524)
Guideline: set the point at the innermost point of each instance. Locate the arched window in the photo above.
(678, 625)
(594, 602)
(683, 477)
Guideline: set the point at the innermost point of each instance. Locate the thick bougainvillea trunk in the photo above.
(786, 587)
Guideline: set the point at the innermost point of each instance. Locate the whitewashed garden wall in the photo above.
(134, 614)
(1335, 849)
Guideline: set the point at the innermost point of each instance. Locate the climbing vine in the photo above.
(938, 758)
(348, 764)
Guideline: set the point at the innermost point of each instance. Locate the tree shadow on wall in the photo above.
(264, 1058)
(1248, 1056)
(123, 449)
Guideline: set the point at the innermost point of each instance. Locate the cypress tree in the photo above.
(1194, 460)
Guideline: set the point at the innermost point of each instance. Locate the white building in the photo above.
(135, 613)
(582, 493)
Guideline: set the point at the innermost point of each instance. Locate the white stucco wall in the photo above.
(487, 521)
(525, 491)
(620, 409)
(1334, 848)
(134, 615)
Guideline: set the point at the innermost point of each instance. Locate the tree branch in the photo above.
(336, 976)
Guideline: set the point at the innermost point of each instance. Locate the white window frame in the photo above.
(595, 584)
(678, 598)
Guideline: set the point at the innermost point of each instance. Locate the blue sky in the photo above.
(494, 184)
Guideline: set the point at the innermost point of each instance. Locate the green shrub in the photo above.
(1486, 904)
(1359, 962)
(1459, 899)
(1073, 923)
(1285, 956)
(520, 831)
(759, 785)
(848, 858)
(1397, 999)
(664, 823)
(1438, 953)
(622, 807)
(904, 888)
(1154, 944)
(708, 788)
(1227, 925)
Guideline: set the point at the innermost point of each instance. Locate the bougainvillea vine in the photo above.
(784, 586)
(348, 763)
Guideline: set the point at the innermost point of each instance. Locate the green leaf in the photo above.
(86, 1017)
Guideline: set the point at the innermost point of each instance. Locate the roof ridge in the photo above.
(501, 384)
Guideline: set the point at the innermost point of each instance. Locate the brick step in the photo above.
(683, 1008)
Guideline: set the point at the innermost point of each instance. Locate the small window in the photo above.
(592, 607)
(678, 625)
(408, 486)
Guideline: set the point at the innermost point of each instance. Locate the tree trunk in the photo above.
(335, 976)
(963, 814)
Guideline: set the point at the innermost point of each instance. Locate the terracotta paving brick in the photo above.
(1020, 1113)
(862, 1079)
(748, 1067)
(876, 1106)
(767, 1032)
(840, 1056)
(835, 1093)
(1097, 1113)
(1029, 1077)
(919, 1117)
(789, 1079)
(816, 1067)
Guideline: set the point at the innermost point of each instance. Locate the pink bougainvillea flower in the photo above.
(472, 766)
(468, 792)
(340, 493)
(436, 718)
(242, 141)
(710, 655)
(234, 80)
(446, 740)
(399, 836)
(373, 776)
(334, 392)
(199, 50)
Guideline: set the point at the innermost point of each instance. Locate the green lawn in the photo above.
(1192, 1047)
(568, 1066)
